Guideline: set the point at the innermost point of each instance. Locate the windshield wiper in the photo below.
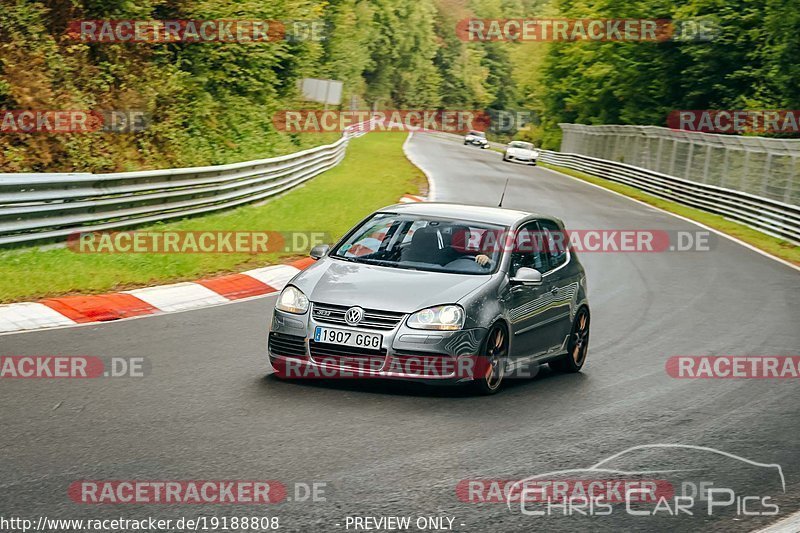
(377, 262)
(359, 260)
(343, 258)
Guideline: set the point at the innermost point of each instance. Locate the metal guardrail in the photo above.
(762, 166)
(770, 216)
(35, 207)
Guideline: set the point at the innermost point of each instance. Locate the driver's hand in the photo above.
(482, 259)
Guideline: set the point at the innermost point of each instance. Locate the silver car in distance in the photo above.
(436, 292)
(477, 138)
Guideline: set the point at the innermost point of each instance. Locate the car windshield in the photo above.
(477, 133)
(423, 243)
(520, 144)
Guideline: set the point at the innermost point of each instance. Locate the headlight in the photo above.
(292, 300)
(443, 317)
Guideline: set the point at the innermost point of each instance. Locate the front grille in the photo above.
(346, 356)
(373, 319)
(287, 345)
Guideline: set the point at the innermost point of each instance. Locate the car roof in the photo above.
(475, 213)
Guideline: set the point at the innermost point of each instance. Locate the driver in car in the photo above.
(459, 245)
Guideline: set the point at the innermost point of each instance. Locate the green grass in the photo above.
(374, 173)
(777, 247)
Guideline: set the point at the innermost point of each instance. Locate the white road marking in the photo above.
(428, 175)
(790, 524)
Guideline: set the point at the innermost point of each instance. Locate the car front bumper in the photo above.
(405, 353)
(526, 160)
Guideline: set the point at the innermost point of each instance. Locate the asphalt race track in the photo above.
(207, 409)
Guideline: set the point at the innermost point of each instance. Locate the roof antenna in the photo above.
(504, 193)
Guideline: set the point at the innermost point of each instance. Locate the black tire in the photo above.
(505, 158)
(491, 364)
(465, 143)
(577, 346)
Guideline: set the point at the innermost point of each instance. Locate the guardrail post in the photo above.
(673, 157)
(746, 168)
(766, 174)
(724, 179)
(687, 172)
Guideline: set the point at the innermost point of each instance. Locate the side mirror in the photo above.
(527, 276)
(319, 251)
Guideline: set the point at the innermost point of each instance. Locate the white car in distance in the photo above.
(522, 152)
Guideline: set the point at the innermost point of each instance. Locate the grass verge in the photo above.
(777, 247)
(374, 173)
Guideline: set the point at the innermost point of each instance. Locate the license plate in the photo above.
(345, 337)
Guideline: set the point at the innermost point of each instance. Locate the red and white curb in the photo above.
(84, 309)
(73, 310)
(410, 198)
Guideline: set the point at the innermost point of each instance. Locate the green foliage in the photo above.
(403, 72)
(209, 103)
(213, 103)
(750, 63)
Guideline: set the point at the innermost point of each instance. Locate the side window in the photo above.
(555, 241)
(528, 249)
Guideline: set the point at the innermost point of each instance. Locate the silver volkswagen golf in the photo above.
(436, 292)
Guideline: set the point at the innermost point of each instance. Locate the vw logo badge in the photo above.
(354, 315)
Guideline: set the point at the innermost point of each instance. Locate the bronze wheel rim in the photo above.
(580, 337)
(496, 353)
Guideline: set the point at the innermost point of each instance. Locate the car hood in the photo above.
(390, 289)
